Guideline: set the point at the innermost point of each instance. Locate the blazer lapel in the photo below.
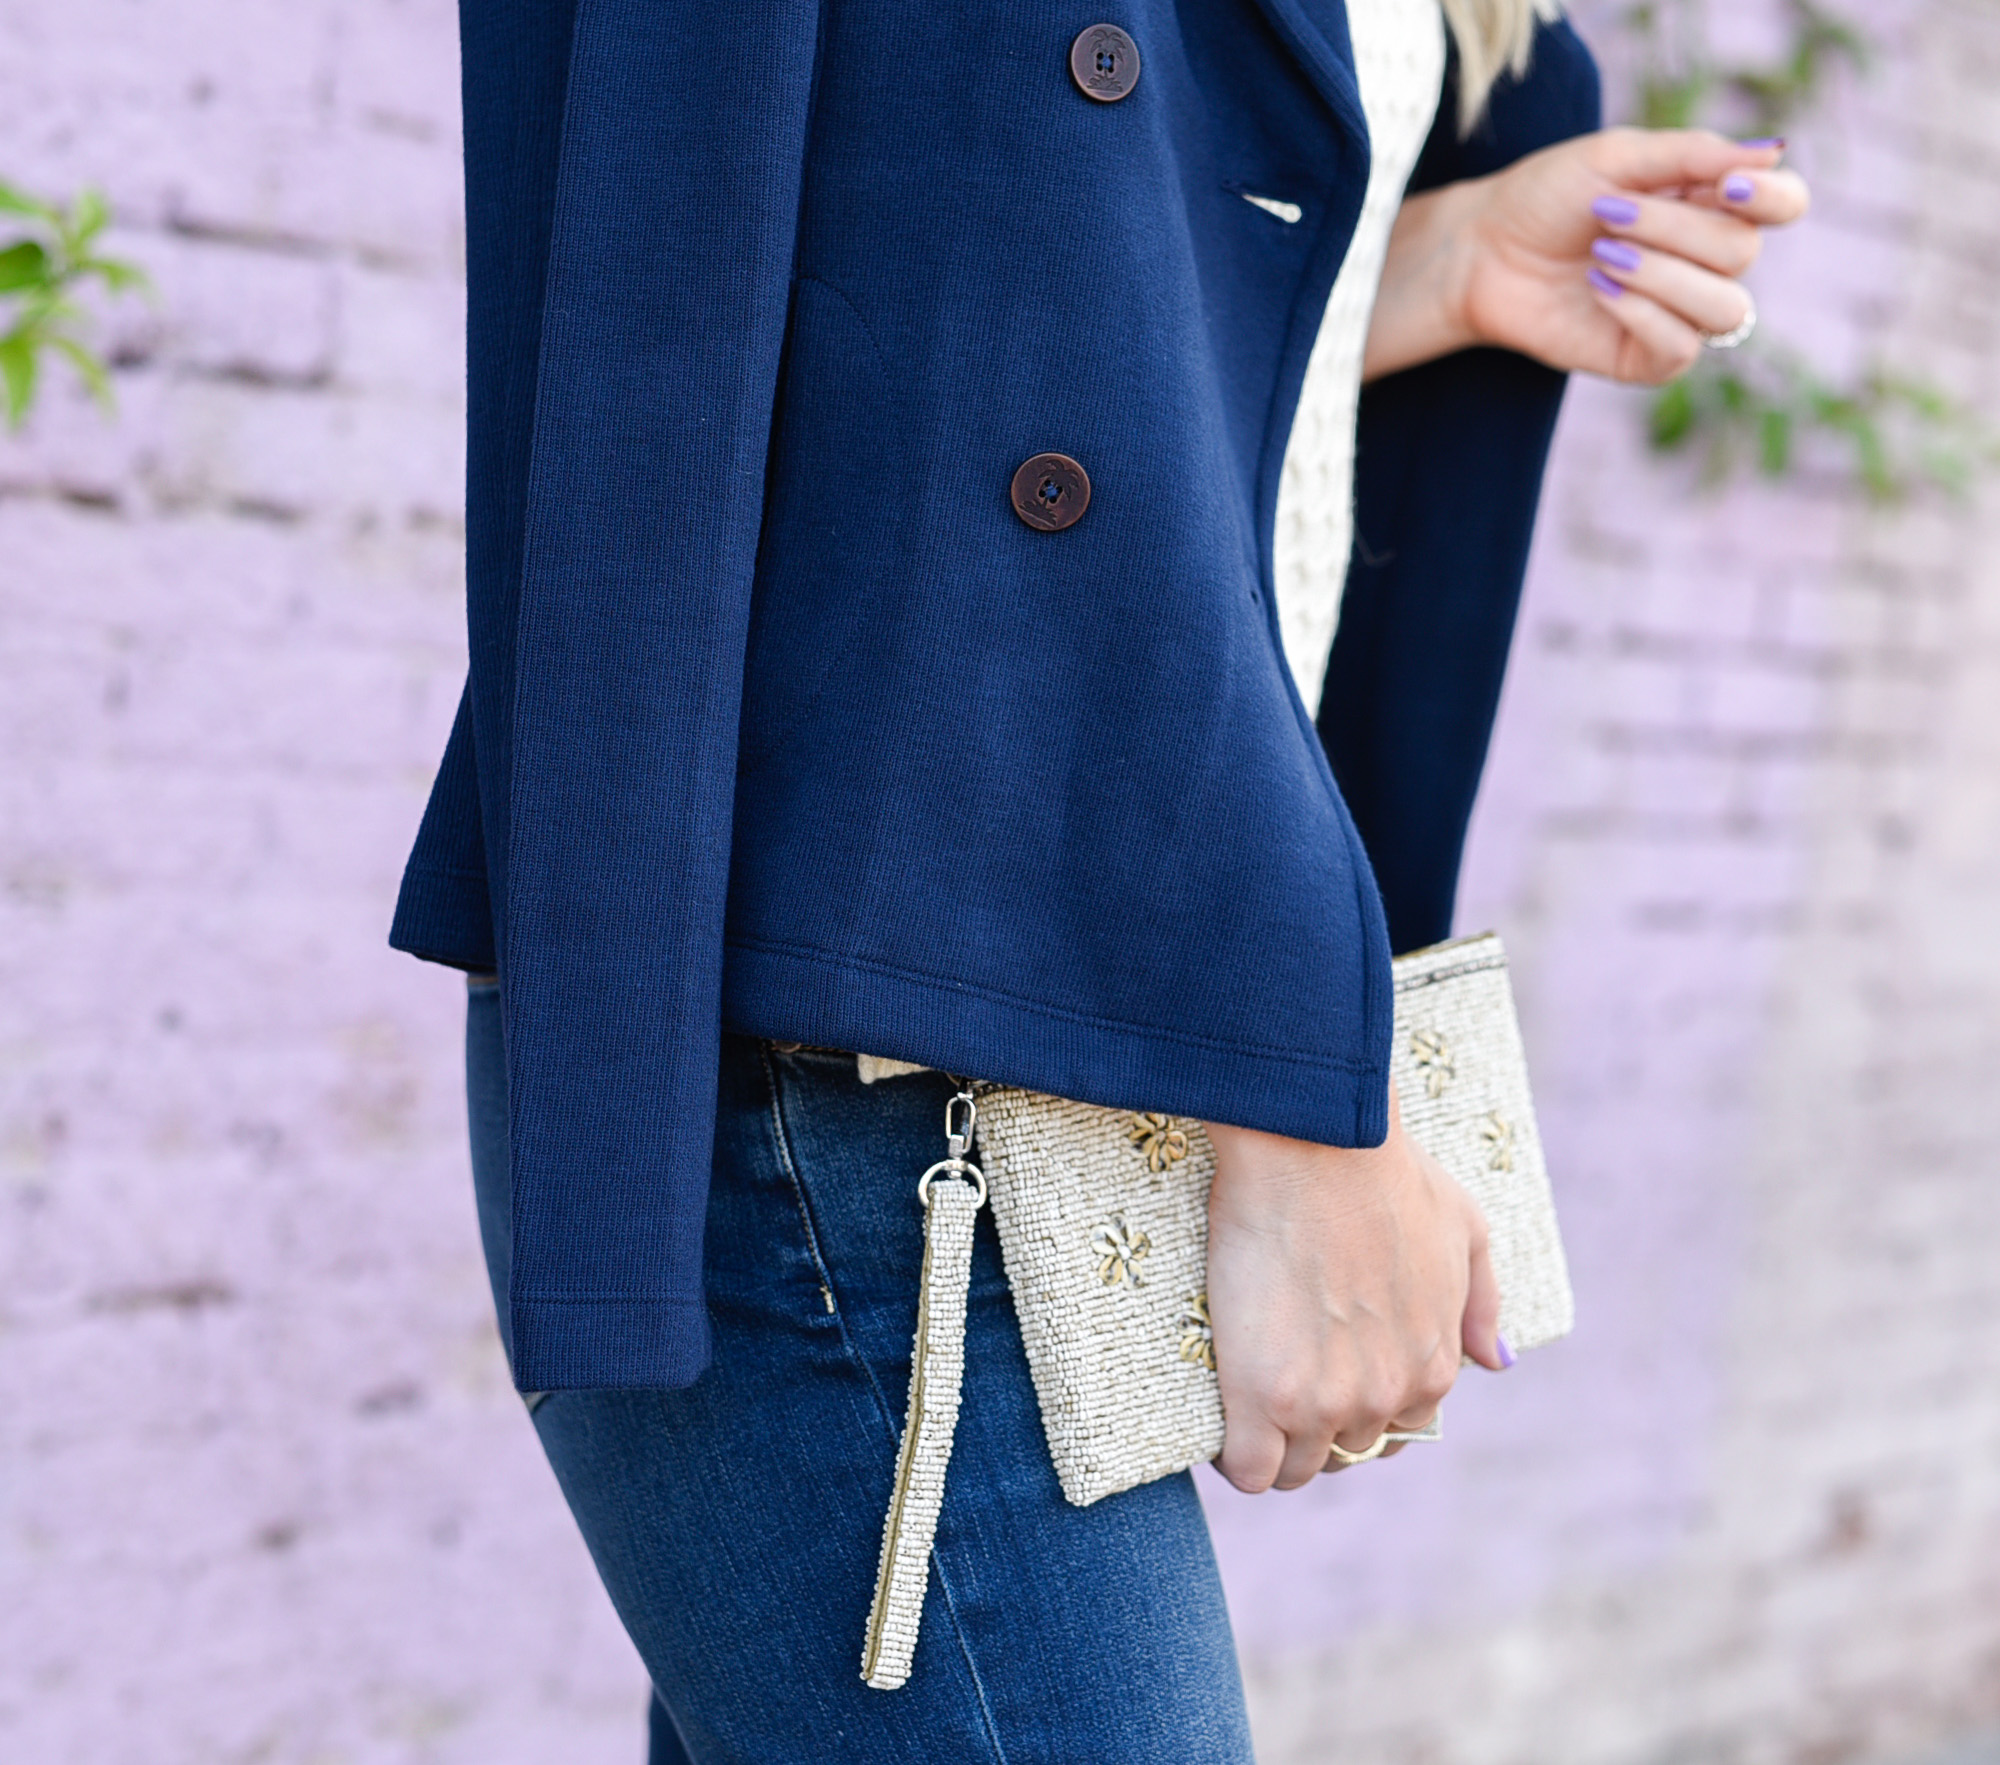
(1316, 32)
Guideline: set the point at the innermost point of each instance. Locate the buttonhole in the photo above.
(1288, 212)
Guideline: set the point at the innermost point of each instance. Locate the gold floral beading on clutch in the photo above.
(1103, 1218)
(1162, 1139)
(1431, 1054)
(1119, 1251)
(1197, 1332)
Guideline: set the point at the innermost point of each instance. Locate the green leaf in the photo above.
(14, 201)
(17, 376)
(116, 274)
(88, 216)
(1774, 442)
(88, 368)
(1927, 401)
(1823, 33)
(23, 265)
(1672, 102)
(1873, 459)
(1672, 418)
(1757, 410)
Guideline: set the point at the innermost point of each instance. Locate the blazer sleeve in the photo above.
(1448, 471)
(443, 912)
(622, 392)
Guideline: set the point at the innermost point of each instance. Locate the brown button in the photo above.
(1051, 491)
(1104, 62)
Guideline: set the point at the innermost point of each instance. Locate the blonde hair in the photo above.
(1493, 36)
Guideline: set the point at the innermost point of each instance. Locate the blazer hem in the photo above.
(444, 915)
(795, 993)
(608, 1344)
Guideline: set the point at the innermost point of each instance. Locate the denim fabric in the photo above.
(736, 1521)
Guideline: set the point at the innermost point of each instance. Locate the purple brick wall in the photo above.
(264, 1493)
(267, 1494)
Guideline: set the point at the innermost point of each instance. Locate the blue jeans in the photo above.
(736, 1523)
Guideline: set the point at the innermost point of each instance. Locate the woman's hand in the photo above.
(1611, 254)
(1343, 1286)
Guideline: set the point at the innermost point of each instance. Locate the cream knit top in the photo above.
(1399, 52)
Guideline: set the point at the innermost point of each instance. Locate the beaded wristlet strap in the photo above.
(937, 1368)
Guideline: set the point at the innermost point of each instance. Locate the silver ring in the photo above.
(961, 1168)
(1731, 338)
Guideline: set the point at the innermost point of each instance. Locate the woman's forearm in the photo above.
(1420, 308)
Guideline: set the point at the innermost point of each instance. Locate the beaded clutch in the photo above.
(1103, 1218)
(1103, 1221)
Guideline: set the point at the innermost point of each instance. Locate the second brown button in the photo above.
(1104, 62)
(1051, 491)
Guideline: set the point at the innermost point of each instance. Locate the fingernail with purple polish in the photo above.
(1777, 141)
(1601, 282)
(1507, 1356)
(1615, 211)
(1738, 188)
(1616, 253)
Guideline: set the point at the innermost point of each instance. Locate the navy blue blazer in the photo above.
(779, 719)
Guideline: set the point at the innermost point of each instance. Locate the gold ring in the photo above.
(1431, 1430)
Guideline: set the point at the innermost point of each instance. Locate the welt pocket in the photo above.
(1280, 199)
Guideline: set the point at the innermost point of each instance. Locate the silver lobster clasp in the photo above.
(961, 1116)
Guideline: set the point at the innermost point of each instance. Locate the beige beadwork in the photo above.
(1124, 1367)
(1121, 1403)
(1479, 1123)
(937, 1369)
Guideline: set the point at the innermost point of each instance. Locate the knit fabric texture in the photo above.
(778, 717)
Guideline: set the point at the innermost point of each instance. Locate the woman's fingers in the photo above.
(1338, 1282)
(1684, 222)
(1479, 1329)
(1666, 271)
(1706, 301)
(1308, 1455)
(1721, 242)
(1719, 225)
(1285, 1440)
(1676, 159)
(1253, 1451)
(1657, 344)
(1767, 198)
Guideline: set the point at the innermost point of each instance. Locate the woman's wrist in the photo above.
(1274, 1164)
(1422, 309)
